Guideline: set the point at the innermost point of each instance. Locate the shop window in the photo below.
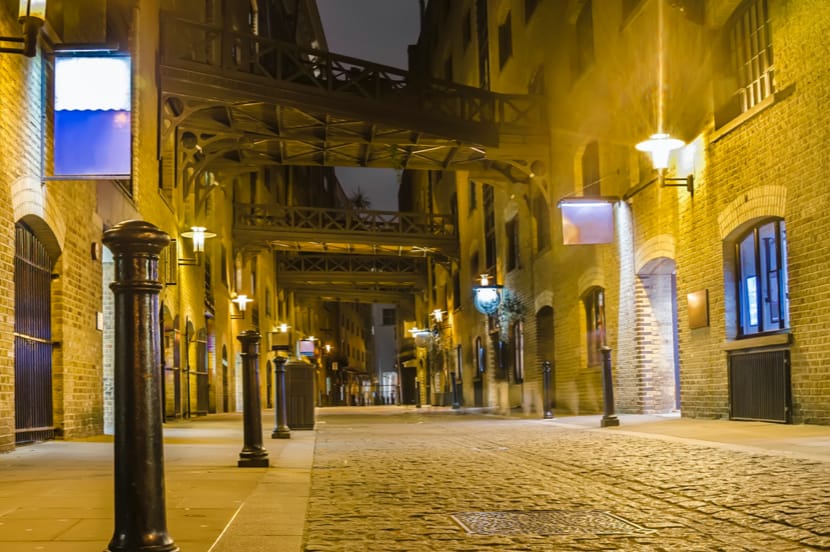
(746, 56)
(761, 279)
(594, 302)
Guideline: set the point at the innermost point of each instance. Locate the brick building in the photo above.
(709, 295)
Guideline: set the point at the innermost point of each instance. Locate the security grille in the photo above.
(32, 339)
(759, 386)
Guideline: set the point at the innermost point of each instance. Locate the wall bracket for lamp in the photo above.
(687, 182)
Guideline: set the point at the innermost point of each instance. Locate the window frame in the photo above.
(593, 301)
(762, 277)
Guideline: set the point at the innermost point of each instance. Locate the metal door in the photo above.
(32, 339)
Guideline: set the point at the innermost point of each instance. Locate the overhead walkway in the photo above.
(251, 101)
(233, 103)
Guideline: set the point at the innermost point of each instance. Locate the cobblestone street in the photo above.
(394, 483)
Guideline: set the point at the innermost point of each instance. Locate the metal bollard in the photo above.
(281, 429)
(252, 455)
(456, 403)
(609, 418)
(546, 374)
(140, 511)
(417, 393)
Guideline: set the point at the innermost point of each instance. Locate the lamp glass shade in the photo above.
(33, 8)
(242, 302)
(198, 234)
(660, 146)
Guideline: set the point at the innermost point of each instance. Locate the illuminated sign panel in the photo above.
(92, 117)
(587, 222)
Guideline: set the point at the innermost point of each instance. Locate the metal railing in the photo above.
(187, 43)
(270, 217)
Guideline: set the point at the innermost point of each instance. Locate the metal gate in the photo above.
(202, 375)
(32, 339)
(759, 386)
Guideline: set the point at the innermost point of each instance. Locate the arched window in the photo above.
(480, 357)
(594, 302)
(761, 279)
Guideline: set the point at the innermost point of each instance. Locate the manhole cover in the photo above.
(546, 522)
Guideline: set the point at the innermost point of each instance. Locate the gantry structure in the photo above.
(235, 103)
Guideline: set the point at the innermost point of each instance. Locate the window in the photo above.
(467, 29)
(388, 316)
(590, 170)
(584, 51)
(448, 69)
(482, 30)
(594, 302)
(747, 61)
(489, 204)
(518, 352)
(505, 40)
(480, 358)
(512, 231)
(627, 7)
(542, 218)
(473, 196)
(761, 270)
(530, 7)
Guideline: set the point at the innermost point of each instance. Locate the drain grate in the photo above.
(547, 522)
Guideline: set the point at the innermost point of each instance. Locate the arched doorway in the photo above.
(226, 392)
(545, 350)
(32, 338)
(656, 341)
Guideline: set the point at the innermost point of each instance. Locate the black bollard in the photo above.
(546, 374)
(417, 394)
(609, 418)
(252, 455)
(456, 403)
(281, 430)
(140, 512)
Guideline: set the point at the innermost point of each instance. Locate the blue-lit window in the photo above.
(761, 258)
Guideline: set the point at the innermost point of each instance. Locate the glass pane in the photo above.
(770, 281)
(783, 280)
(749, 286)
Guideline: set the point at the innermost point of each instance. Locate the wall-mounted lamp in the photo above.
(438, 315)
(241, 305)
(660, 146)
(486, 297)
(198, 234)
(32, 15)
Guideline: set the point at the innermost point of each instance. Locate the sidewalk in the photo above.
(58, 496)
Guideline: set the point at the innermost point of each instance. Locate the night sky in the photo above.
(379, 31)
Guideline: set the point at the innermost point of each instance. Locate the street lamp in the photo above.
(241, 301)
(660, 146)
(32, 15)
(198, 234)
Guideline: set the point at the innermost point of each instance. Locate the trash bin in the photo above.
(299, 399)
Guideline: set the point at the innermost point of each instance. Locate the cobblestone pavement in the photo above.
(392, 483)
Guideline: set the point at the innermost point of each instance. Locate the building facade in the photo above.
(705, 282)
